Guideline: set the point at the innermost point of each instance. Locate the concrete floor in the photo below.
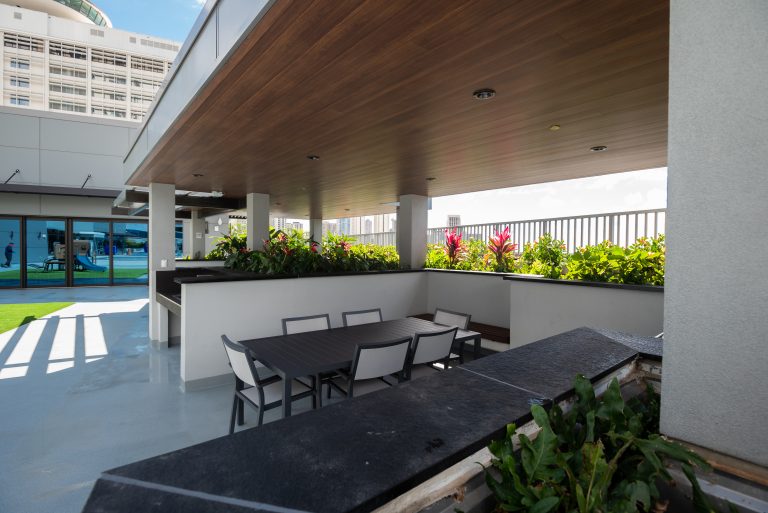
(83, 391)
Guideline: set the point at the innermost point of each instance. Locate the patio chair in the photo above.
(292, 325)
(449, 318)
(318, 322)
(430, 349)
(371, 364)
(262, 393)
(361, 317)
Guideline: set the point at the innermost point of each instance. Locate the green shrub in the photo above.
(228, 245)
(546, 257)
(288, 252)
(604, 455)
(642, 263)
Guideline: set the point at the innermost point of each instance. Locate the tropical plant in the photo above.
(228, 245)
(501, 249)
(641, 263)
(604, 455)
(453, 247)
(288, 252)
(545, 257)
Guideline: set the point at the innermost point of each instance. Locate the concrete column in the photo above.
(716, 294)
(197, 227)
(257, 207)
(162, 251)
(316, 230)
(412, 231)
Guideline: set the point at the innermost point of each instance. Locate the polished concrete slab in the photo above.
(83, 390)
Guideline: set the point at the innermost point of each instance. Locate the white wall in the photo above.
(62, 150)
(251, 309)
(542, 309)
(715, 391)
(483, 295)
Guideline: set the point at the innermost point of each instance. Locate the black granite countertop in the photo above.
(358, 454)
(229, 275)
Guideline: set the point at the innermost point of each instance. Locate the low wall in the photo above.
(254, 308)
(540, 308)
(483, 295)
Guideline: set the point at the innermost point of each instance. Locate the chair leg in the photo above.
(315, 381)
(261, 416)
(232, 417)
(240, 412)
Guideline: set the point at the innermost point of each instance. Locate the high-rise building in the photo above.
(454, 220)
(279, 223)
(64, 55)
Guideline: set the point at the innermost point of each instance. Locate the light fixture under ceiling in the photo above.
(598, 148)
(197, 175)
(313, 157)
(554, 128)
(484, 94)
(430, 178)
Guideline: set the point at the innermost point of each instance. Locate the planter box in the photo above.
(541, 307)
(254, 308)
(484, 295)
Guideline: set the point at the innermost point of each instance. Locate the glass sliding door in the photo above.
(10, 258)
(46, 252)
(90, 253)
(130, 250)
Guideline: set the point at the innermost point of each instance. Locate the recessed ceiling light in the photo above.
(278, 203)
(598, 148)
(484, 94)
(430, 179)
(346, 210)
(197, 175)
(313, 157)
(554, 128)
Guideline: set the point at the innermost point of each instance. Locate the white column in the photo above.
(257, 210)
(412, 231)
(197, 236)
(316, 230)
(162, 251)
(715, 324)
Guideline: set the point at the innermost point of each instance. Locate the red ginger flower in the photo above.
(501, 246)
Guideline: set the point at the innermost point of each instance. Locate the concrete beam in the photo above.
(162, 252)
(257, 207)
(412, 231)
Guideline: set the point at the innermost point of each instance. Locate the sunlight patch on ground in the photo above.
(78, 323)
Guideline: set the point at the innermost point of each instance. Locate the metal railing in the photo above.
(621, 228)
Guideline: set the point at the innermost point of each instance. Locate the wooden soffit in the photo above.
(382, 91)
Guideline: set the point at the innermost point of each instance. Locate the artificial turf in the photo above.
(17, 314)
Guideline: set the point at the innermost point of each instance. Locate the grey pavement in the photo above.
(83, 390)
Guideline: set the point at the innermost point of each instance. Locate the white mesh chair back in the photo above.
(361, 317)
(239, 360)
(293, 325)
(448, 318)
(375, 361)
(433, 347)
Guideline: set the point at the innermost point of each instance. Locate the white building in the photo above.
(62, 60)
(73, 91)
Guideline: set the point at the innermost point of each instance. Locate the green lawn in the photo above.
(15, 315)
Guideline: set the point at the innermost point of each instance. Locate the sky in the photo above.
(169, 19)
(618, 192)
(637, 190)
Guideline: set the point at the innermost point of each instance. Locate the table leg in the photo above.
(476, 351)
(319, 390)
(287, 382)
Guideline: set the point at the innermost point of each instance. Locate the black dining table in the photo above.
(314, 352)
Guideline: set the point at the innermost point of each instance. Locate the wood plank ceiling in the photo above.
(382, 92)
